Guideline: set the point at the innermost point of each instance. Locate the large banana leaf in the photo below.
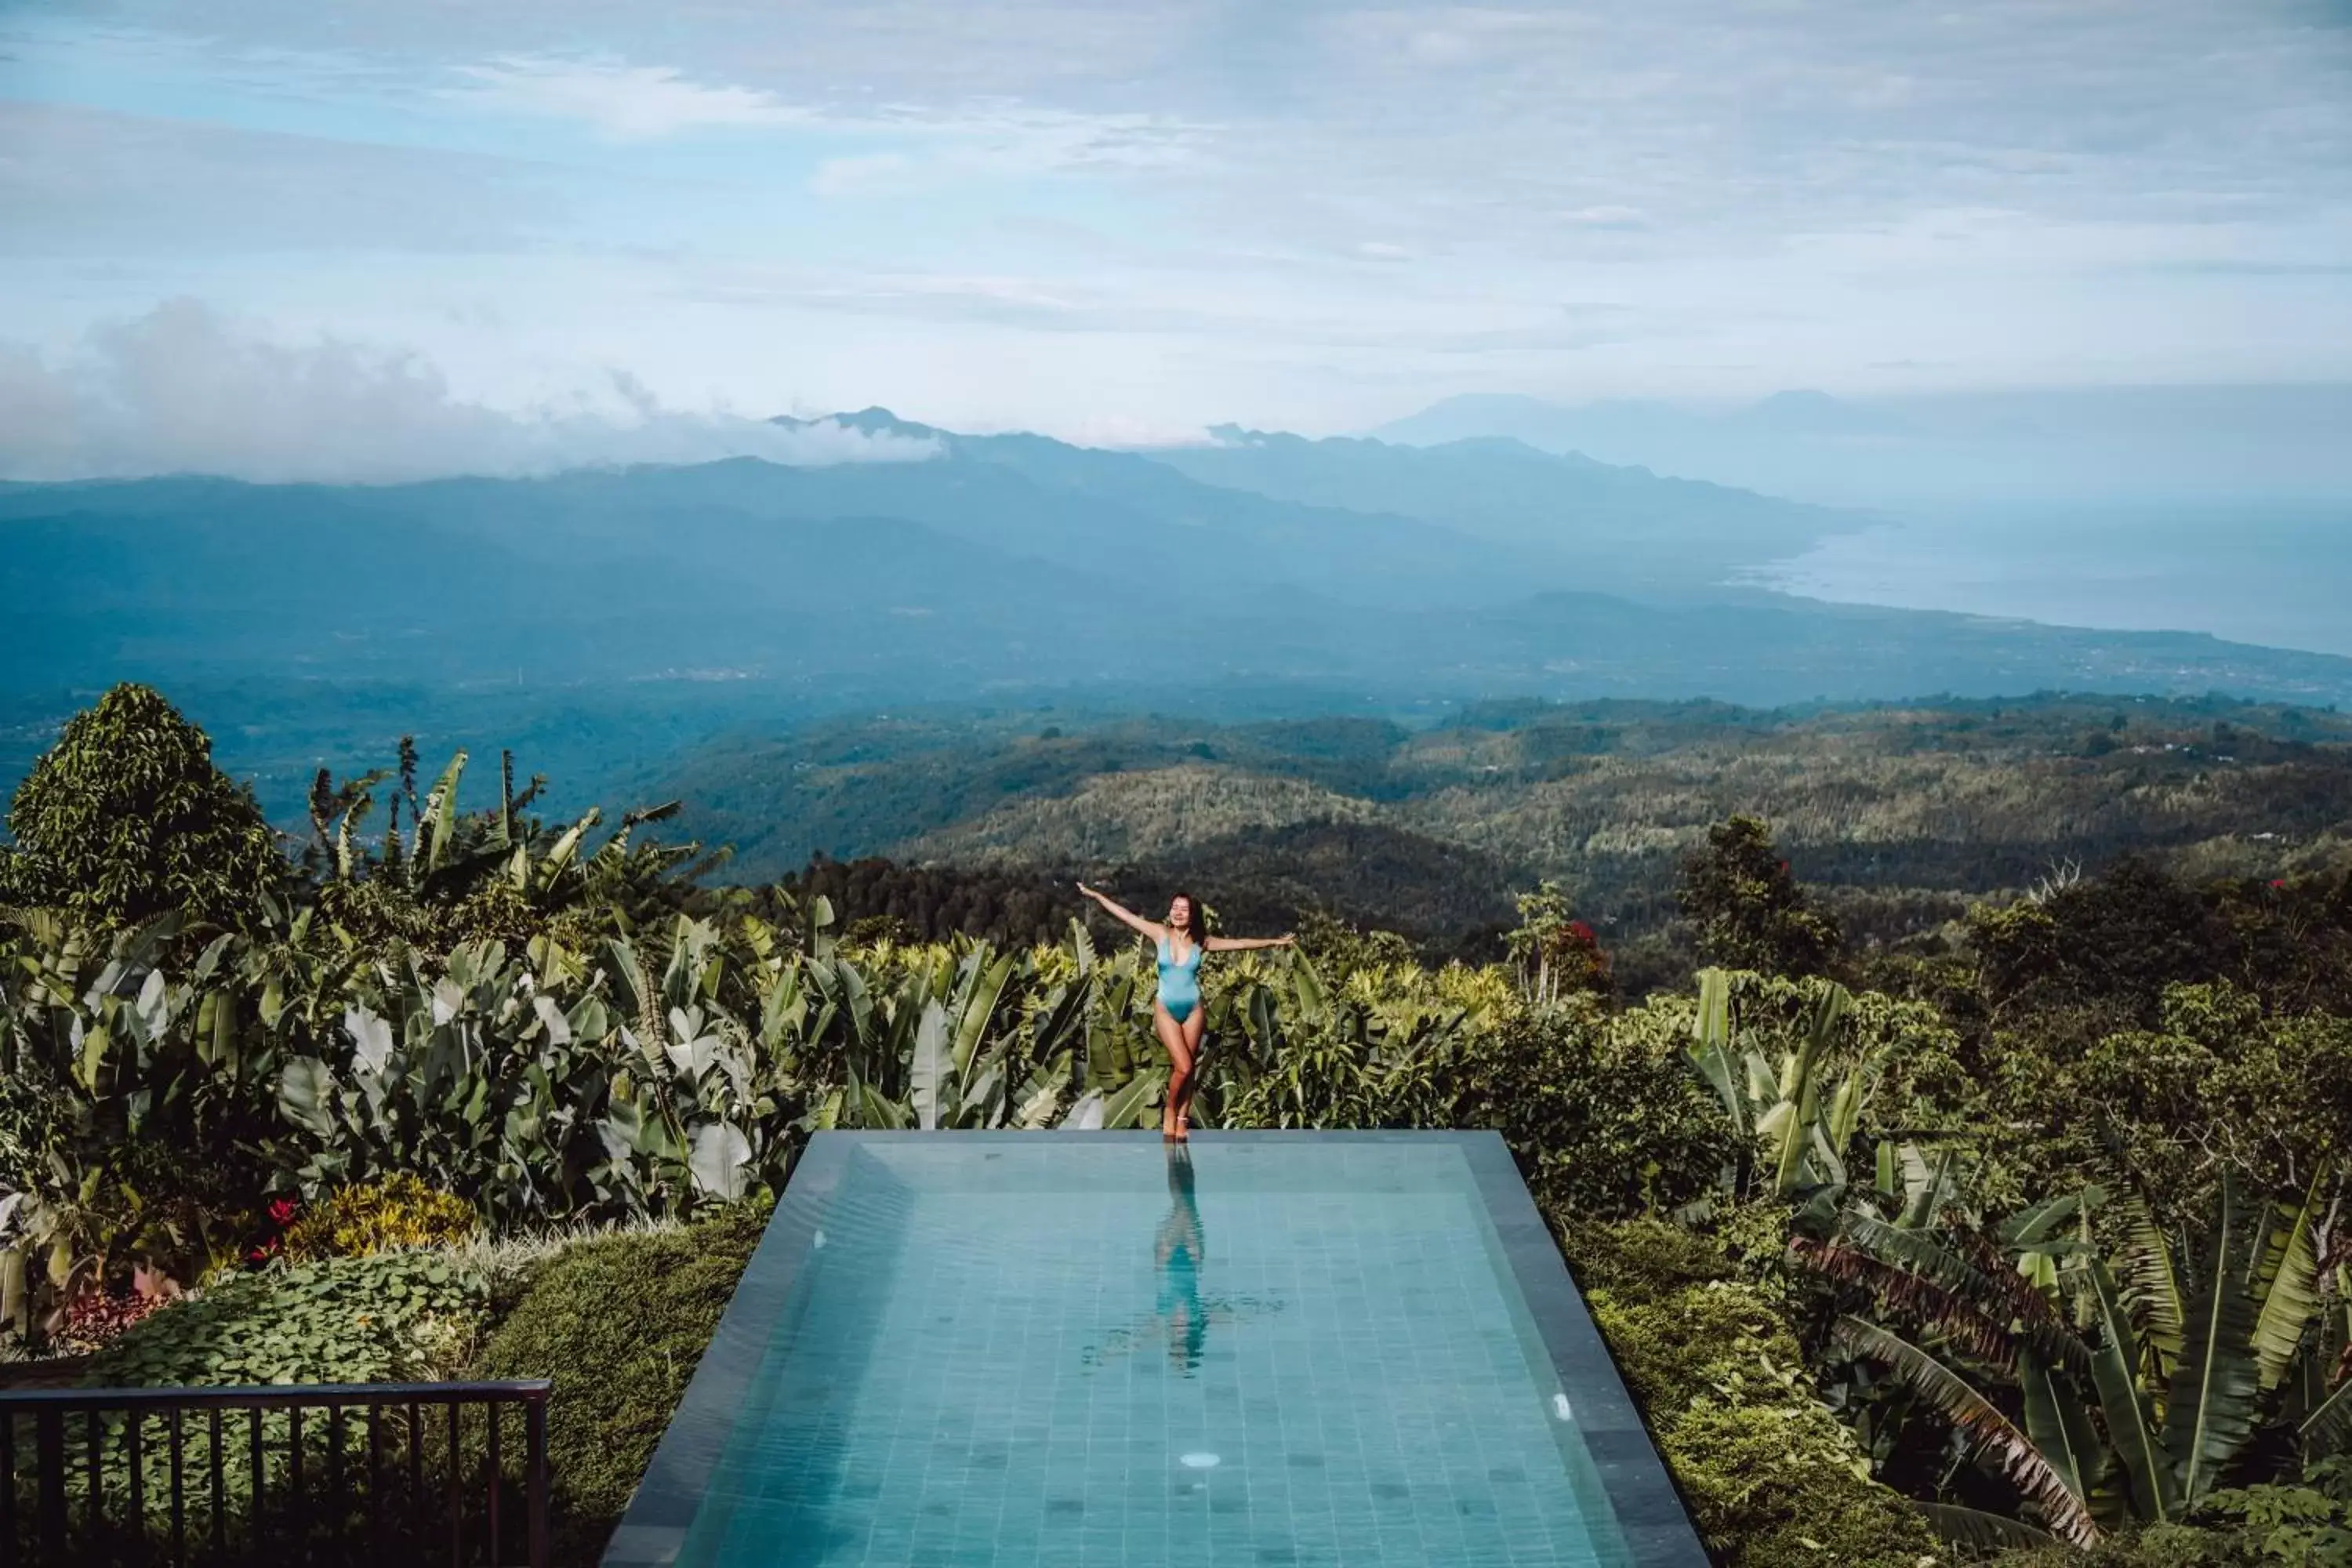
(1131, 1104)
(2288, 1286)
(441, 809)
(1799, 1091)
(2060, 1426)
(2040, 1222)
(1710, 1049)
(928, 1074)
(2115, 1368)
(2329, 1427)
(2014, 1453)
(2148, 1265)
(1972, 1527)
(1927, 1188)
(2210, 1410)
(2005, 1305)
(976, 1004)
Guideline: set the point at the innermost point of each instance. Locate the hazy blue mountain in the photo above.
(1946, 450)
(610, 614)
(1594, 525)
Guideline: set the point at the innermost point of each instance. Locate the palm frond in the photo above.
(2012, 1451)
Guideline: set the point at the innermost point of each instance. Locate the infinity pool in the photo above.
(963, 1350)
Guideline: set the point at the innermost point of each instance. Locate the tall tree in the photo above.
(1749, 910)
(126, 818)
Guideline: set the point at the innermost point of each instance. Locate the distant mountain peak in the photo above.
(875, 421)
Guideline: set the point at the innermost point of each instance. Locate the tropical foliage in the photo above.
(2033, 1239)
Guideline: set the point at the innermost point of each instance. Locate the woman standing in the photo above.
(1176, 1017)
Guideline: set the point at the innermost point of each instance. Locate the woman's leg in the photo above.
(1180, 1067)
(1192, 1029)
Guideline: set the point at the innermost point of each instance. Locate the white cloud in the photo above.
(181, 390)
(623, 101)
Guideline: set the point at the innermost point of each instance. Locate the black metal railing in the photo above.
(326, 1475)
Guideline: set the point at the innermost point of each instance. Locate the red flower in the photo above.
(2278, 881)
(282, 1211)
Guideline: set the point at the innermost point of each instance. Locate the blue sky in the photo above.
(1126, 220)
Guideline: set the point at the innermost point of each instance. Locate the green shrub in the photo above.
(1773, 1479)
(1605, 1116)
(619, 1323)
(395, 1214)
(126, 818)
(402, 1317)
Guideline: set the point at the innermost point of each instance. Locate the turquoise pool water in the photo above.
(1062, 1349)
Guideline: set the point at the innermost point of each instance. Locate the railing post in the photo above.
(490, 1463)
(455, 1489)
(535, 1502)
(49, 1459)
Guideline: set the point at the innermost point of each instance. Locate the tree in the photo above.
(1556, 954)
(126, 818)
(1749, 910)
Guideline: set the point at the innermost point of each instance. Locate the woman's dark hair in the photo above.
(1196, 924)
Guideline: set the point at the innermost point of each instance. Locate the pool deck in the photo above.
(1648, 1513)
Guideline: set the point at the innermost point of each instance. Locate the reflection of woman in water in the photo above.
(1177, 1017)
(1182, 1314)
(1179, 1253)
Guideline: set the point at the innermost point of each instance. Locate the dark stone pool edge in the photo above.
(1649, 1508)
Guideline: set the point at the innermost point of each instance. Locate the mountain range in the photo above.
(1336, 571)
(1940, 452)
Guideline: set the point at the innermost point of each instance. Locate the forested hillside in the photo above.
(1901, 815)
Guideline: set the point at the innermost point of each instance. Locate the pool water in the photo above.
(1058, 1349)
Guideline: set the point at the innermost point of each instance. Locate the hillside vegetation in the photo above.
(2031, 1242)
(1900, 816)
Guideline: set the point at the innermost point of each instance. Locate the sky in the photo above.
(380, 235)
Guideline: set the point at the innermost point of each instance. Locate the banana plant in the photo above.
(1797, 1124)
(2142, 1374)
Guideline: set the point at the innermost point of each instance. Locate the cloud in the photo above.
(182, 390)
(623, 101)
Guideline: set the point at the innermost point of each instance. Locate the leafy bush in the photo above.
(1772, 1478)
(126, 818)
(1603, 1114)
(395, 1214)
(401, 1317)
(619, 1322)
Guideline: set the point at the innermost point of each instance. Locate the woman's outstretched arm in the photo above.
(1245, 944)
(1124, 915)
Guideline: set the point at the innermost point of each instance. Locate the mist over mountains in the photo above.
(1263, 572)
(1941, 452)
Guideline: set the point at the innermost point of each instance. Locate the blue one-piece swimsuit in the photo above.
(1180, 982)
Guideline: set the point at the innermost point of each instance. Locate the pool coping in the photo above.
(1649, 1508)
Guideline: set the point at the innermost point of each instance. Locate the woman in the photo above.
(1176, 1017)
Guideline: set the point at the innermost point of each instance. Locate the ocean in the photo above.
(2277, 575)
